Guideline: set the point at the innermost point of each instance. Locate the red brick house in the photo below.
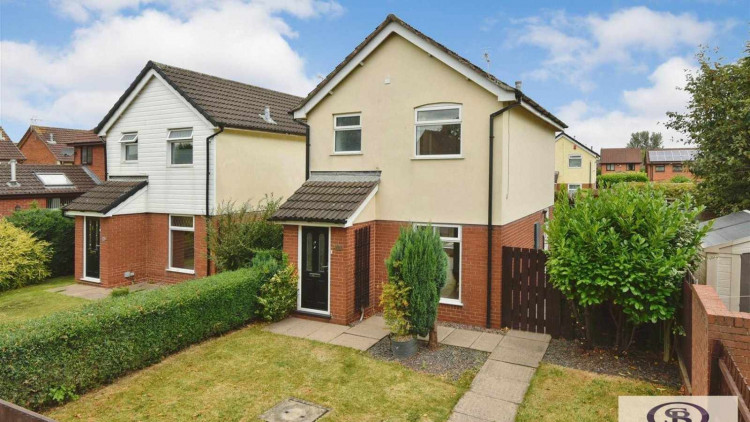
(54, 145)
(8, 149)
(664, 164)
(388, 150)
(618, 160)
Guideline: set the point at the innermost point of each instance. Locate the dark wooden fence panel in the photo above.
(686, 341)
(362, 268)
(9, 412)
(732, 382)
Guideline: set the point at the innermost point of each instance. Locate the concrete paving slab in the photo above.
(327, 332)
(303, 328)
(85, 291)
(373, 327)
(519, 343)
(502, 389)
(461, 338)
(486, 408)
(529, 336)
(353, 341)
(517, 356)
(486, 342)
(460, 417)
(498, 370)
(282, 326)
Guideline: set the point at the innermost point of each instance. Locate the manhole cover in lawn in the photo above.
(296, 410)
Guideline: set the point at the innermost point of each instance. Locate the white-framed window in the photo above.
(87, 155)
(677, 168)
(450, 235)
(610, 167)
(437, 131)
(631, 167)
(573, 187)
(660, 168)
(57, 203)
(180, 146)
(54, 179)
(347, 133)
(575, 161)
(129, 143)
(182, 243)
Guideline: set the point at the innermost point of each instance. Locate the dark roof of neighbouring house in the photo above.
(621, 156)
(575, 141)
(8, 148)
(329, 197)
(29, 184)
(727, 229)
(61, 141)
(393, 18)
(223, 102)
(670, 155)
(106, 196)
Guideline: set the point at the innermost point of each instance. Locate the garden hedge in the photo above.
(607, 180)
(53, 227)
(671, 190)
(75, 351)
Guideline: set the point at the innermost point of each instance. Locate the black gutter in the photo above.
(208, 183)
(307, 147)
(489, 202)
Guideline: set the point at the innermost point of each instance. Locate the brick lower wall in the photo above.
(139, 243)
(667, 174)
(518, 233)
(8, 206)
(97, 162)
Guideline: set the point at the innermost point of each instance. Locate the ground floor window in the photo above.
(660, 169)
(56, 203)
(573, 187)
(451, 238)
(610, 167)
(182, 243)
(677, 168)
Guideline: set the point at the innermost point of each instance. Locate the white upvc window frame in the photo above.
(417, 124)
(571, 189)
(172, 228)
(129, 143)
(448, 301)
(575, 156)
(337, 128)
(171, 141)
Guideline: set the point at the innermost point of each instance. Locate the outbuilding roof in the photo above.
(621, 156)
(728, 229)
(329, 197)
(223, 102)
(8, 149)
(106, 196)
(29, 182)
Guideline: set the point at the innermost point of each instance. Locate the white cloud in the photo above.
(642, 109)
(75, 86)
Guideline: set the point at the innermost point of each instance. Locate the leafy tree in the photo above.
(24, 258)
(628, 249)
(53, 227)
(643, 140)
(717, 121)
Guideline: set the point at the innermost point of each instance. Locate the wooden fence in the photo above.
(731, 382)
(9, 412)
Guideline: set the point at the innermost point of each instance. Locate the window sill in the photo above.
(179, 166)
(452, 302)
(91, 280)
(180, 270)
(347, 153)
(438, 157)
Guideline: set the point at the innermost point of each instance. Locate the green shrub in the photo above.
(53, 227)
(278, 296)
(671, 190)
(418, 259)
(611, 179)
(395, 303)
(120, 291)
(680, 179)
(238, 232)
(71, 352)
(24, 258)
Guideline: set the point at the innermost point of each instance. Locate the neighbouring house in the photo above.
(664, 164)
(46, 185)
(8, 149)
(575, 164)
(726, 264)
(618, 160)
(56, 145)
(180, 143)
(405, 131)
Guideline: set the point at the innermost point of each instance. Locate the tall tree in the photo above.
(717, 122)
(643, 140)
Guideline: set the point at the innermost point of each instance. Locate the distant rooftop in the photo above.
(672, 155)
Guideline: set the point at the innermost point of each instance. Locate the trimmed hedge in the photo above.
(607, 180)
(78, 350)
(671, 190)
(53, 227)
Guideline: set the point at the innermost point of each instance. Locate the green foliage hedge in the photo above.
(81, 349)
(53, 227)
(23, 258)
(607, 180)
(670, 190)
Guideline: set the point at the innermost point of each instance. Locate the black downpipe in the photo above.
(208, 184)
(307, 147)
(106, 171)
(489, 203)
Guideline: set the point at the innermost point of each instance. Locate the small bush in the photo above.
(53, 227)
(23, 258)
(395, 303)
(278, 297)
(56, 357)
(680, 179)
(120, 291)
(608, 180)
(238, 232)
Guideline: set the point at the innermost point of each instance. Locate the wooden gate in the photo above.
(362, 268)
(529, 302)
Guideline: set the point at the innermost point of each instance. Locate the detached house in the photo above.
(575, 164)
(56, 145)
(618, 160)
(664, 164)
(179, 143)
(406, 132)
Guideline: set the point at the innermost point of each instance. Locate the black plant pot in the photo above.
(404, 349)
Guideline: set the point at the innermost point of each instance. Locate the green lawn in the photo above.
(241, 375)
(35, 301)
(563, 394)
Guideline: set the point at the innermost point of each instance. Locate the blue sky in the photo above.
(606, 68)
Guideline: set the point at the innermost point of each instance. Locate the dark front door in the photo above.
(314, 289)
(91, 248)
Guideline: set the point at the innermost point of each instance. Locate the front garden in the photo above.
(35, 301)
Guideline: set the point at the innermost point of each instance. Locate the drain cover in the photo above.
(294, 410)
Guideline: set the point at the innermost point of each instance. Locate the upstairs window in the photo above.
(347, 129)
(87, 155)
(180, 146)
(575, 161)
(129, 143)
(438, 131)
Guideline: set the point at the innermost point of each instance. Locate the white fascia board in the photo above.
(350, 221)
(146, 78)
(393, 27)
(541, 116)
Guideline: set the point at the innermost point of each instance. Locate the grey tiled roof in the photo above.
(29, 184)
(64, 140)
(328, 197)
(223, 102)
(8, 148)
(106, 196)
